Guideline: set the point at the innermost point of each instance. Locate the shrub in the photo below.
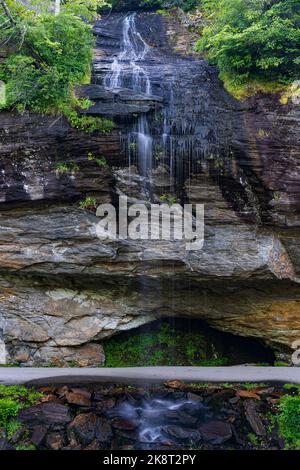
(252, 39)
(88, 124)
(8, 409)
(88, 203)
(289, 420)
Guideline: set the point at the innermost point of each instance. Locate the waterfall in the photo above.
(145, 145)
(127, 72)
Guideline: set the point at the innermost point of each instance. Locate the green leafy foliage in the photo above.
(25, 447)
(63, 168)
(8, 409)
(89, 203)
(87, 123)
(86, 9)
(54, 55)
(20, 393)
(42, 80)
(12, 427)
(12, 399)
(253, 39)
(289, 420)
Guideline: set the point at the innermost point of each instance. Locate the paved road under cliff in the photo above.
(148, 375)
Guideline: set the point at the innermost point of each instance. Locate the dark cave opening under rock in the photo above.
(183, 342)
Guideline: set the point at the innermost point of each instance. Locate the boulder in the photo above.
(87, 427)
(216, 432)
(49, 414)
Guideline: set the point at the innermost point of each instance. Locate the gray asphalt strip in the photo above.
(149, 375)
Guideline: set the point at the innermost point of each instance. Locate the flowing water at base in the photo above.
(165, 421)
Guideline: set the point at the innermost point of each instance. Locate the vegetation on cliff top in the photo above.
(186, 5)
(254, 43)
(46, 56)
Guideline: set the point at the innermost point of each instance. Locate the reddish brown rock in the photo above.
(77, 396)
(88, 427)
(103, 405)
(55, 441)
(124, 424)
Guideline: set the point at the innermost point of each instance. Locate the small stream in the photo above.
(164, 421)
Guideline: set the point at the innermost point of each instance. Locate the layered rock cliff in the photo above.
(63, 290)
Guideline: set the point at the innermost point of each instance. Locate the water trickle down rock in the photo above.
(127, 71)
(63, 290)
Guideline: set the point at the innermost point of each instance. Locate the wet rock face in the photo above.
(44, 160)
(63, 289)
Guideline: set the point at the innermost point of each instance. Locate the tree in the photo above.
(53, 58)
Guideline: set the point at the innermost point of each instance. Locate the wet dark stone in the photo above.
(182, 434)
(177, 417)
(194, 397)
(194, 409)
(161, 393)
(118, 109)
(219, 398)
(187, 419)
(253, 418)
(128, 435)
(89, 426)
(5, 445)
(50, 414)
(38, 435)
(234, 400)
(216, 432)
(124, 424)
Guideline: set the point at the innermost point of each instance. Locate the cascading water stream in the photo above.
(127, 72)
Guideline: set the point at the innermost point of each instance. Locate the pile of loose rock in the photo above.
(174, 416)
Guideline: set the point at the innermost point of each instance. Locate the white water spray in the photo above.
(127, 71)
